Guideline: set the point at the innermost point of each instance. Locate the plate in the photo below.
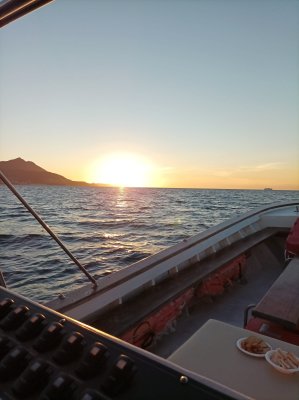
(269, 355)
(258, 355)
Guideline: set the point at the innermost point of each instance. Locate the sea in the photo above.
(106, 229)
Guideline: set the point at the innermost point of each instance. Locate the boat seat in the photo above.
(273, 329)
(281, 303)
(292, 242)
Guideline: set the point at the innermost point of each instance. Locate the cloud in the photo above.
(269, 166)
(272, 166)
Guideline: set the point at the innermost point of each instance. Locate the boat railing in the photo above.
(13, 9)
(7, 182)
(120, 285)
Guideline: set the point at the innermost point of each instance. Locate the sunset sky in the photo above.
(181, 93)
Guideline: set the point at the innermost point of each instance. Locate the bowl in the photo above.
(283, 361)
(250, 353)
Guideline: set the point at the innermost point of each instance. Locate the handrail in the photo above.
(13, 9)
(46, 227)
(150, 268)
(196, 240)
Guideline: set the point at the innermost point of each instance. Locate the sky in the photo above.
(162, 93)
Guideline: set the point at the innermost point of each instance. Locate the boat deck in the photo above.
(119, 320)
(263, 267)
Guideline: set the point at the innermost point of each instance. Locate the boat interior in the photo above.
(263, 266)
(179, 334)
(220, 274)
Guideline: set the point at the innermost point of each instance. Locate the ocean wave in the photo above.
(134, 257)
(104, 224)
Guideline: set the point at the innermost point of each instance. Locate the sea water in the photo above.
(106, 229)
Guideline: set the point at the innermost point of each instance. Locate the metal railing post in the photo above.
(46, 227)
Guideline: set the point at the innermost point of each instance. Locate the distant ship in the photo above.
(268, 189)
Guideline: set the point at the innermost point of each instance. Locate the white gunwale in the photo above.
(86, 301)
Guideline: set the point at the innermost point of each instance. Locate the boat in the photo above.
(169, 326)
(160, 314)
(193, 301)
(144, 302)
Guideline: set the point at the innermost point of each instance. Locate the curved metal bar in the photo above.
(46, 227)
(13, 9)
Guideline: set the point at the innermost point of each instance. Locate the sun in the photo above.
(123, 169)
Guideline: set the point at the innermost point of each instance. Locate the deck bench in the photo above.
(281, 303)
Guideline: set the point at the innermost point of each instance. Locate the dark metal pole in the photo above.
(13, 9)
(46, 227)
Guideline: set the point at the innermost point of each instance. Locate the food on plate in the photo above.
(254, 344)
(285, 359)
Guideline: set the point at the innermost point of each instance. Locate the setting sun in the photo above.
(122, 169)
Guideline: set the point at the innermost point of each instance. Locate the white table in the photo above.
(212, 353)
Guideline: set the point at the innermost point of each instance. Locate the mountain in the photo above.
(21, 172)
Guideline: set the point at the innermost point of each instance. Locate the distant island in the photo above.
(21, 172)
